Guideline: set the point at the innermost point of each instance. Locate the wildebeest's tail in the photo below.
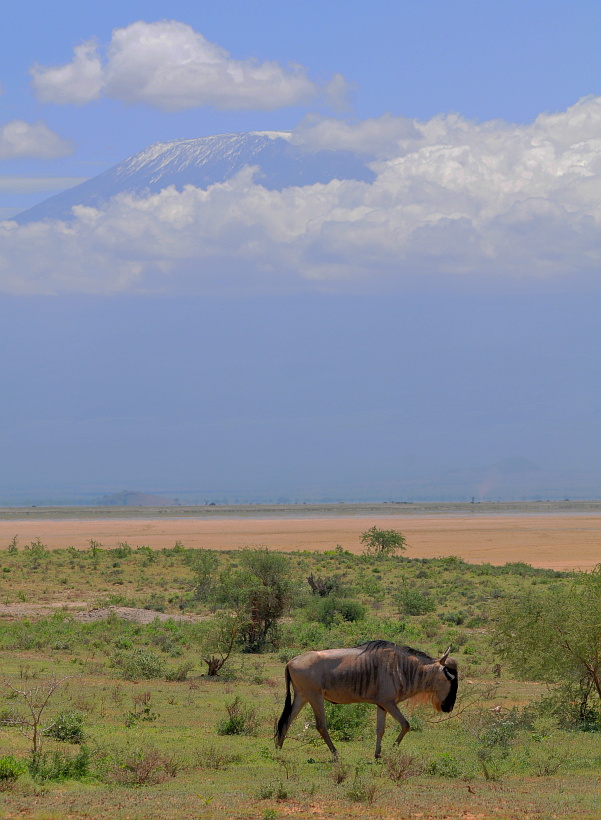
(283, 721)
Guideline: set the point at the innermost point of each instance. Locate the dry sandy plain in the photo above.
(553, 535)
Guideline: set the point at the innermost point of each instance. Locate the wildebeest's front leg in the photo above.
(393, 710)
(381, 725)
(318, 706)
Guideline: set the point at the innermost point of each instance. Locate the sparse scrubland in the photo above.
(111, 718)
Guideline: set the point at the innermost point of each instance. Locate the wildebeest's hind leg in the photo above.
(393, 710)
(318, 706)
(285, 721)
(381, 725)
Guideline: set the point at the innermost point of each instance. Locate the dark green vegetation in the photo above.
(119, 719)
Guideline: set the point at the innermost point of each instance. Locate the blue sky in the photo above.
(446, 317)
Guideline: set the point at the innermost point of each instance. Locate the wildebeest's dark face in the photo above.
(449, 670)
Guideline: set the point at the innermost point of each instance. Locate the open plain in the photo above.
(107, 605)
(552, 535)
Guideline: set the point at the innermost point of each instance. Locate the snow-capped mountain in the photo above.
(202, 162)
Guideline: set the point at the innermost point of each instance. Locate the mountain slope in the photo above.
(202, 162)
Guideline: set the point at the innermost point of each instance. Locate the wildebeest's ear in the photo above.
(442, 660)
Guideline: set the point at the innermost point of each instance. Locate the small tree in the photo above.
(36, 700)
(35, 552)
(220, 644)
(95, 548)
(383, 542)
(258, 594)
(204, 564)
(555, 635)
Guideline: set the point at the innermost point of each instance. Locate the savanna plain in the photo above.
(142, 657)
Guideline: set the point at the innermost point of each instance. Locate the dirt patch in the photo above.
(139, 616)
(552, 541)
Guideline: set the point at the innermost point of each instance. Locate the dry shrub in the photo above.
(209, 757)
(362, 790)
(143, 767)
(399, 766)
(340, 772)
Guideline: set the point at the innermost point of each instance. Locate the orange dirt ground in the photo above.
(552, 541)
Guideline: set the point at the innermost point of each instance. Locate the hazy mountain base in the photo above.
(340, 509)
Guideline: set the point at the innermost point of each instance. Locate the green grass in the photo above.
(155, 745)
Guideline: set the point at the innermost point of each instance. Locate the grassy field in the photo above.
(155, 730)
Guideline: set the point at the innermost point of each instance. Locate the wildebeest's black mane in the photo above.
(374, 646)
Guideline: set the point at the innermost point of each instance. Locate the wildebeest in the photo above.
(377, 672)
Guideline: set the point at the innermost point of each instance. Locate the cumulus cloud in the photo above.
(22, 139)
(386, 136)
(78, 82)
(172, 67)
(460, 198)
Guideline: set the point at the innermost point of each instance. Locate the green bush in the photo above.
(67, 727)
(240, 720)
(59, 765)
(10, 769)
(328, 610)
(444, 765)
(347, 721)
(181, 672)
(140, 664)
(569, 707)
(413, 602)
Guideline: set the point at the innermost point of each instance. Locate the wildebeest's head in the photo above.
(447, 688)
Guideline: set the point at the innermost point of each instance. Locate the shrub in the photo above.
(340, 772)
(181, 672)
(279, 792)
(240, 720)
(328, 610)
(347, 721)
(414, 602)
(142, 767)
(10, 769)
(212, 758)
(59, 765)
(140, 664)
(569, 706)
(361, 790)
(495, 734)
(444, 765)
(400, 765)
(67, 727)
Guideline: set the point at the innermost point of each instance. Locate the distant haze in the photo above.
(425, 396)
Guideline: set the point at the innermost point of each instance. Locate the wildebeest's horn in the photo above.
(444, 657)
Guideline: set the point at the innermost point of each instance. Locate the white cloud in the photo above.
(491, 199)
(19, 139)
(383, 137)
(78, 82)
(169, 65)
